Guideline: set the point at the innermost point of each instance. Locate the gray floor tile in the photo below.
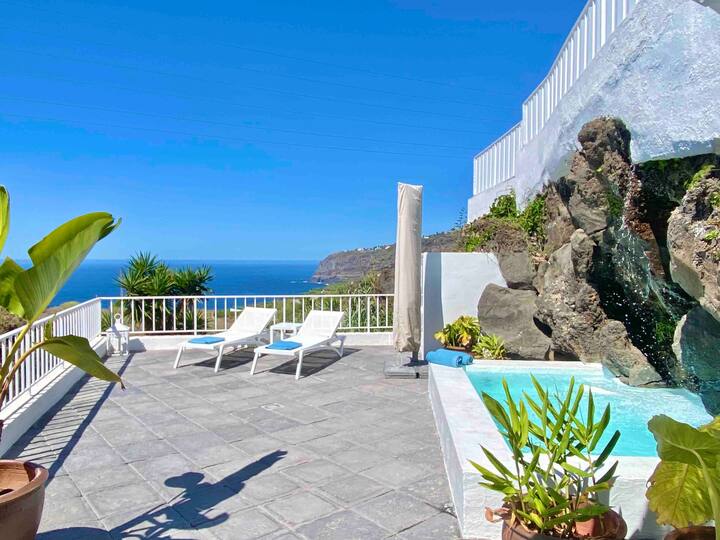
(300, 507)
(345, 525)
(245, 525)
(353, 488)
(313, 472)
(441, 525)
(396, 511)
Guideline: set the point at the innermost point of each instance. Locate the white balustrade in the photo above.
(366, 313)
(81, 320)
(598, 20)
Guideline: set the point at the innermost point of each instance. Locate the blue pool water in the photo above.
(630, 407)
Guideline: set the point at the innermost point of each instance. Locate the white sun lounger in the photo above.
(247, 330)
(316, 333)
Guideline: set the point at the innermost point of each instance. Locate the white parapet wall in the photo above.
(452, 284)
(659, 72)
(40, 398)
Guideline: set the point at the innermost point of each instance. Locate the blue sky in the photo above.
(257, 130)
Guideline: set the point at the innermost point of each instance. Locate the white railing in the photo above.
(496, 163)
(82, 320)
(366, 313)
(598, 20)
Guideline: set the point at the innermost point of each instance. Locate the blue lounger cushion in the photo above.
(284, 345)
(207, 340)
(448, 358)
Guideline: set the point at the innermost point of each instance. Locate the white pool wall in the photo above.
(465, 425)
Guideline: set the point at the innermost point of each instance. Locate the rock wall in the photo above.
(627, 269)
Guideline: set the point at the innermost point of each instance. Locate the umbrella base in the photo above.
(402, 366)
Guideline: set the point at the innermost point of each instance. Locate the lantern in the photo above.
(118, 338)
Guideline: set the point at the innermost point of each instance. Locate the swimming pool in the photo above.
(631, 407)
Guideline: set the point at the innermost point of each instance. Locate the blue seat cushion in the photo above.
(207, 340)
(284, 345)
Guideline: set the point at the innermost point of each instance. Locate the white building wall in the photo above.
(452, 284)
(659, 72)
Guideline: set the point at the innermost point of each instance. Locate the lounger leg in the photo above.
(342, 346)
(219, 358)
(177, 358)
(255, 359)
(299, 368)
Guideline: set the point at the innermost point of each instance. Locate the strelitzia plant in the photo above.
(553, 484)
(28, 292)
(684, 490)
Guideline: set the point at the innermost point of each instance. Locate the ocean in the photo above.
(97, 278)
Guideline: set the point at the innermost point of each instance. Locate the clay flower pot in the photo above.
(22, 494)
(610, 525)
(516, 531)
(692, 533)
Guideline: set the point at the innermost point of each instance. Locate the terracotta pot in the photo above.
(610, 525)
(454, 348)
(22, 494)
(692, 533)
(516, 531)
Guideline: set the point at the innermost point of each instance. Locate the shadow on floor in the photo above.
(166, 521)
(312, 363)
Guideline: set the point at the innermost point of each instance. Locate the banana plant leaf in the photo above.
(9, 270)
(56, 257)
(77, 351)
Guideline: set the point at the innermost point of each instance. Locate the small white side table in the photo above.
(284, 327)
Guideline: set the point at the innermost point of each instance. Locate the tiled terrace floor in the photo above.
(341, 454)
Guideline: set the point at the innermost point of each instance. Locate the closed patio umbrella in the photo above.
(406, 313)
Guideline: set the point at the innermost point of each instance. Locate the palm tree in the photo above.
(146, 275)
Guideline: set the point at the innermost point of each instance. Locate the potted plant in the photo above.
(27, 293)
(551, 489)
(461, 334)
(684, 490)
(490, 347)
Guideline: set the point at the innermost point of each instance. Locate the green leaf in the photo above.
(575, 470)
(502, 469)
(609, 447)
(683, 443)
(56, 257)
(4, 215)
(9, 270)
(77, 351)
(677, 494)
(497, 411)
(607, 476)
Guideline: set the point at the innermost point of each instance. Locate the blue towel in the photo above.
(284, 345)
(207, 340)
(448, 358)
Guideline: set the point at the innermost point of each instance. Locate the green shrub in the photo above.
(615, 205)
(490, 346)
(532, 219)
(504, 207)
(712, 235)
(702, 173)
(715, 200)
